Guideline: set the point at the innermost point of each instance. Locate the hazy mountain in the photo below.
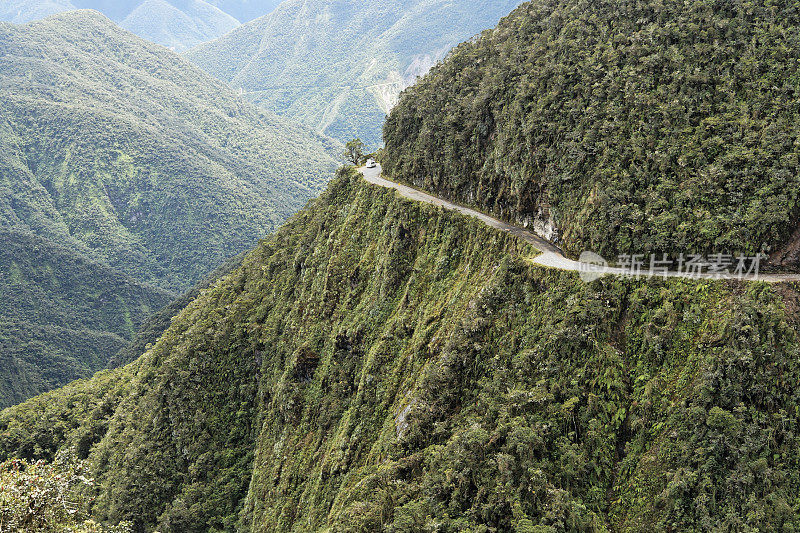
(163, 23)
(22, 11)
(176, 24)
(138, 166)
(113, 9)
(339, 66)
(246, 10)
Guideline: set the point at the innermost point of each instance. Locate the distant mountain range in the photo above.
(176, 24)
(336, 66)
(126, 176)
(340, 66)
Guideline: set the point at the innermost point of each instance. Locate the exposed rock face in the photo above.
(788, 255)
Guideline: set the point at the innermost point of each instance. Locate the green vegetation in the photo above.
(383, 365)
(354, 152)
(137, 158)
(159, 322)
(633, 126)
(62, 316)
(126, 176)
(339, 66)
(45, 498)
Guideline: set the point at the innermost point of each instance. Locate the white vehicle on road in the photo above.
(371, 163)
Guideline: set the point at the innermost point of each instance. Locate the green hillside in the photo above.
(142, 159)
(379, 364)
(339, 66)
(135, 174)
(382, 365)
(630, 127)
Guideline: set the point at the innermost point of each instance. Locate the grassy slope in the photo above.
(126, 176)
(635, 127)
(317, 60)
(380, 364)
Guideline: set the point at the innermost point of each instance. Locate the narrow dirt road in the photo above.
(552, 256)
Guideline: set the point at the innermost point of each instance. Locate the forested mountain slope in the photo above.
(62, 315)
(176, 24)
(339, 66)
(126, 164)
(379, 364)
(630, 127)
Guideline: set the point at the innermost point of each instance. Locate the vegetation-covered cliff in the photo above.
(126, 176)
(630, 126)
(382, 365)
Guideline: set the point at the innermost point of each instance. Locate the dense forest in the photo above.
(126, 176)
(633, 126)
(339, 66)
(383, 365)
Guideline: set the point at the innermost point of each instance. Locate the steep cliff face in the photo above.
(633, 126)
(379, 364)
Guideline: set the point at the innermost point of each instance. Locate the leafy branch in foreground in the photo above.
(43, 497)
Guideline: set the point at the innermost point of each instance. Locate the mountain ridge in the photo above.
(338, 68)
(121, 156)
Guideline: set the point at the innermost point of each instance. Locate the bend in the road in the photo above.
(552, 256)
